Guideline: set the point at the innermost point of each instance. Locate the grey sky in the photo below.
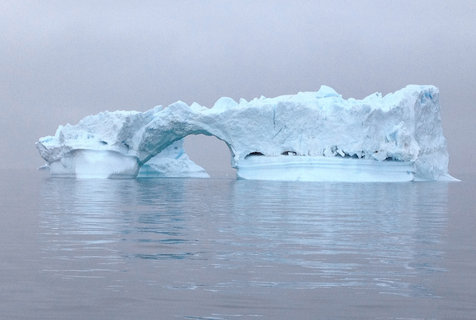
(63, 60)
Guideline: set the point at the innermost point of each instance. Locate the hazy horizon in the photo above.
(63, 60)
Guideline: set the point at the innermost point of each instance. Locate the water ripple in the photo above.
(262, 234)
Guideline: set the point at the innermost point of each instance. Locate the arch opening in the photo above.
(210, 153)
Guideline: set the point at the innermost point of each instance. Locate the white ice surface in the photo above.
(95, 164)
(380, 131)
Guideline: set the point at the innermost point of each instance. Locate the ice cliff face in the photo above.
(302, 130)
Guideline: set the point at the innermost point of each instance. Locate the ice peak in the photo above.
(224, 103)
(326, 92)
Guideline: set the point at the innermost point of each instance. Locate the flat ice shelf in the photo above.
(305, 168)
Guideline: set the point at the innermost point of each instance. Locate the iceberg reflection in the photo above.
(219, 234)
(377, 235)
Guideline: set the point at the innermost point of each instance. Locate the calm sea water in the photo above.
(235, 249)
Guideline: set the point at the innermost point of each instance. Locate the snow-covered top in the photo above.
(401, 126)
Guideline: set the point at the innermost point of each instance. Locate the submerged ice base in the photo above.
(172, 162)
(311, 136)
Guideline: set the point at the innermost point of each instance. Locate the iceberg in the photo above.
(309, 136)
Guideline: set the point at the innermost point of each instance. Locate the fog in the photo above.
(63, 60)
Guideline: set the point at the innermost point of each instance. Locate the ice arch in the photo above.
(175, 123)
(307, 136)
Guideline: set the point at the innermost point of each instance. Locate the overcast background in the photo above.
(62, 60)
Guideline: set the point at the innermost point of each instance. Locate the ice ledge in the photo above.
(325, 169)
